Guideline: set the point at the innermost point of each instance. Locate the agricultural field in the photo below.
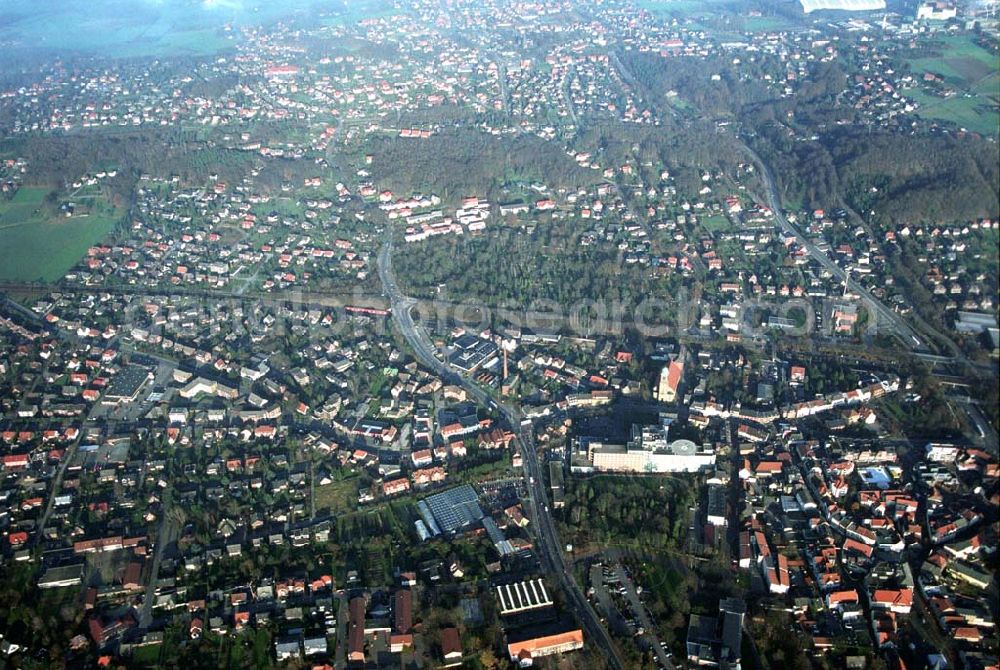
(727, 17)
(133, 30)
(972, 73)
(39, 243)
(961, 61)
(970, 112)
(761, 24)
(668, 6)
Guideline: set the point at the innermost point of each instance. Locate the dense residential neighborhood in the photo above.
(505, 334)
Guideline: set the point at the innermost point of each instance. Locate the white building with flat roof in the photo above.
(842, 5)
(936, 11)
(522, 596)
(650, 451)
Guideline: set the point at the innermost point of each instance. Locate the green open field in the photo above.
(113, 26)
(340, 497)
(961, 61)
(38, 243)
(973, 113)
(761, 24)
(714, 223)
(725, 18)
(970, 70)
(679, 6)
(358, 10)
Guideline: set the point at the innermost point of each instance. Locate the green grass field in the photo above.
(339, 497)
(724, 18)
(22, 206)
(128, 28)
(761, 24)
(715, 223)
(960, 58)
(989, 86)
(39, 244)
(967, 68)
(678, 6)
(976, 113)
(360, 10)
(147, 655)
(194, 42)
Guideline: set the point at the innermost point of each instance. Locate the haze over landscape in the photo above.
(499, 334)
(155, 28)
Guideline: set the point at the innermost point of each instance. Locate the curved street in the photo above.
(888, 318)
(548, 547)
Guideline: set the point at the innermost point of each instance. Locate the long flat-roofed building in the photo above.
(651, 451)
(64, 575)
(557, 484)
(127, 384)
(522, 596)
(525, 646)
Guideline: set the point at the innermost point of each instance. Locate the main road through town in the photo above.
(548, 546)
(886, 317)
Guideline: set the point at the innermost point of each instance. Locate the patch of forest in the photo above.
(457, 162)
(55, 159)
(817, 148)
(507, 266)
(626, 511)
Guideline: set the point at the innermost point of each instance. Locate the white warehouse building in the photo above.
(650, 451)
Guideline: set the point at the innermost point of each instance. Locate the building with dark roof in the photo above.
(456, 509)
(471, 352)
(715, 642)
(63, 575)
(127, 384)
(356, 630)
(716, 505)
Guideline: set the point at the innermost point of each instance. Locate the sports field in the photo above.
(38, 243)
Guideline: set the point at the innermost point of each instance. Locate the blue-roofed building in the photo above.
(502, 544)
(428, 518)
(455, 510)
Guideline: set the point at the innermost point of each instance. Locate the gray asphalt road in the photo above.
(164, 537)
(887, 319)
(642, 615)
(547, 542)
